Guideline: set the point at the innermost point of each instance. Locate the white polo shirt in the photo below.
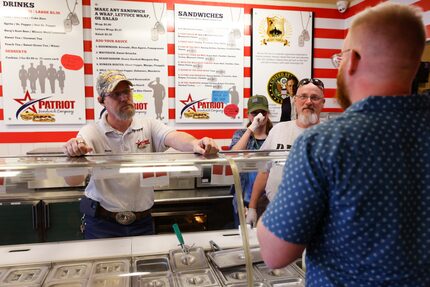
(281, 136)
(124, 193)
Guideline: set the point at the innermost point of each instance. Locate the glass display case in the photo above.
(35, 186)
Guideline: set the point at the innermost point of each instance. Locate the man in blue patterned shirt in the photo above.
(356, 190)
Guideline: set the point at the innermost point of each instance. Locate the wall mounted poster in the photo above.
(208, 64)
(42, 62)
(281, 54)
(131, 37)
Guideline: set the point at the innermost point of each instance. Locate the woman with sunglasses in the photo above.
(251, 138)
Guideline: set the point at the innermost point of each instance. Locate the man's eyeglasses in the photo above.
(254, 113)
(118, 94)
(337, 58)
(316, 82)
(304, 98)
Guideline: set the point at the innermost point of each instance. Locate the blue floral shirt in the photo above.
(356, 191)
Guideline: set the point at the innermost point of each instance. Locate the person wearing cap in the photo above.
(251, 138)
(309, 102)
(120, 206)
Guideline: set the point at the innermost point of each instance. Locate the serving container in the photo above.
(194, 259)
(275, 274)
(67, 283)
(233, 257)
(288, 282)
(110, 267)
(164, 280)
(69, 271)
(201, 278)
(151, 264)
(234, 275)
(24, 276)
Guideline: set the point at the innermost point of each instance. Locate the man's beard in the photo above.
(126, 114)
(342, 95)
(308, 119)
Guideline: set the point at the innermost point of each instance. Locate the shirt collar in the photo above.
(107, 128)
(390, 103)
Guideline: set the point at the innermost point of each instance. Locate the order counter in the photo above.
(218, 257)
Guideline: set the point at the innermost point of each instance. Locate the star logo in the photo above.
(27, 103)
(189, 104)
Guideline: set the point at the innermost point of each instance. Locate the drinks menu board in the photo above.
(42, 62)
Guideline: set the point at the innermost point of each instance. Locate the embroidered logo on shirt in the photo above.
(141, 144)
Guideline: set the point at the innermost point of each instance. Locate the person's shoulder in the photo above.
(239, 132)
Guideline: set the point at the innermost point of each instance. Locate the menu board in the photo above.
(42, 62)
(132, 37)
(208, 64)
(281, 54)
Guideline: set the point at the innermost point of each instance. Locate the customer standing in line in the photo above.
(251, 138)
(356, 190)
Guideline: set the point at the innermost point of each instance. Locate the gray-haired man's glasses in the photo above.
(337, 58)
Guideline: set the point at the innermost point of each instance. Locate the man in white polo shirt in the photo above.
(120, 206)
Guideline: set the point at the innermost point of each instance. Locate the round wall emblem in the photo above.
(281, 85)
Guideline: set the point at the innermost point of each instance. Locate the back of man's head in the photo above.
(390, 38)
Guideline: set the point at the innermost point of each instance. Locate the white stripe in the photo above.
(329, 83)
(86, 11)
(88, 57)
(88, 80)
(247, 62)
(323, 63)
(331, 103)
(87, 35)
(89, 102)
(325, 23)
(323, 43)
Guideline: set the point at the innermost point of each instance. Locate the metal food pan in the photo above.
(195, 259)
(233, 257)
(151, 264)
(235, 275)
(298, 265)
(288, 282)
(166, 280)
(70, 271)
(256, 284)
(22, 276)
(109, 281)
(110, 267)
(192, 278)
(276, 274)
(67, 283)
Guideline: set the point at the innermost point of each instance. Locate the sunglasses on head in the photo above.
(254, 113)
(316, 82)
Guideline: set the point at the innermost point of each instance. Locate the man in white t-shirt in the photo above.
(309, 101)
(120, 206)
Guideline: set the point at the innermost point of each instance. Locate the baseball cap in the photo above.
(107, 81)
(258, 102)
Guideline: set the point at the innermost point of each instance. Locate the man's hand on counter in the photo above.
(76, 147)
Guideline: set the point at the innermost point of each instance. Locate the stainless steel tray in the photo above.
(70, 271)
(195, 259)
(106, 281)
(151, 264)
(192, 278)
(235, 275)
(165, 280)
(233, 257)
(276, 274)
(297, 265)
(256, 284)
(110, 267)
(288, 282)
(67, 283)
(22, 276)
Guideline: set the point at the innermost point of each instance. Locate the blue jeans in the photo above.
(96, 227)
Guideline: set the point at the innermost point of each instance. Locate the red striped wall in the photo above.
(9, 135)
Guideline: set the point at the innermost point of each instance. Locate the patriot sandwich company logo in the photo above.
(42, 110)
(199, 109)
(277, 85)
(275, 29)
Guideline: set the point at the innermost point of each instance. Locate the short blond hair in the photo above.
(398, 27)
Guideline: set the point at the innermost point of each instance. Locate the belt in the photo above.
(123, 217)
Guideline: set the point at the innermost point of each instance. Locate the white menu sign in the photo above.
(132, 37)
(42, 62)
(208, 63)
(281, 53)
